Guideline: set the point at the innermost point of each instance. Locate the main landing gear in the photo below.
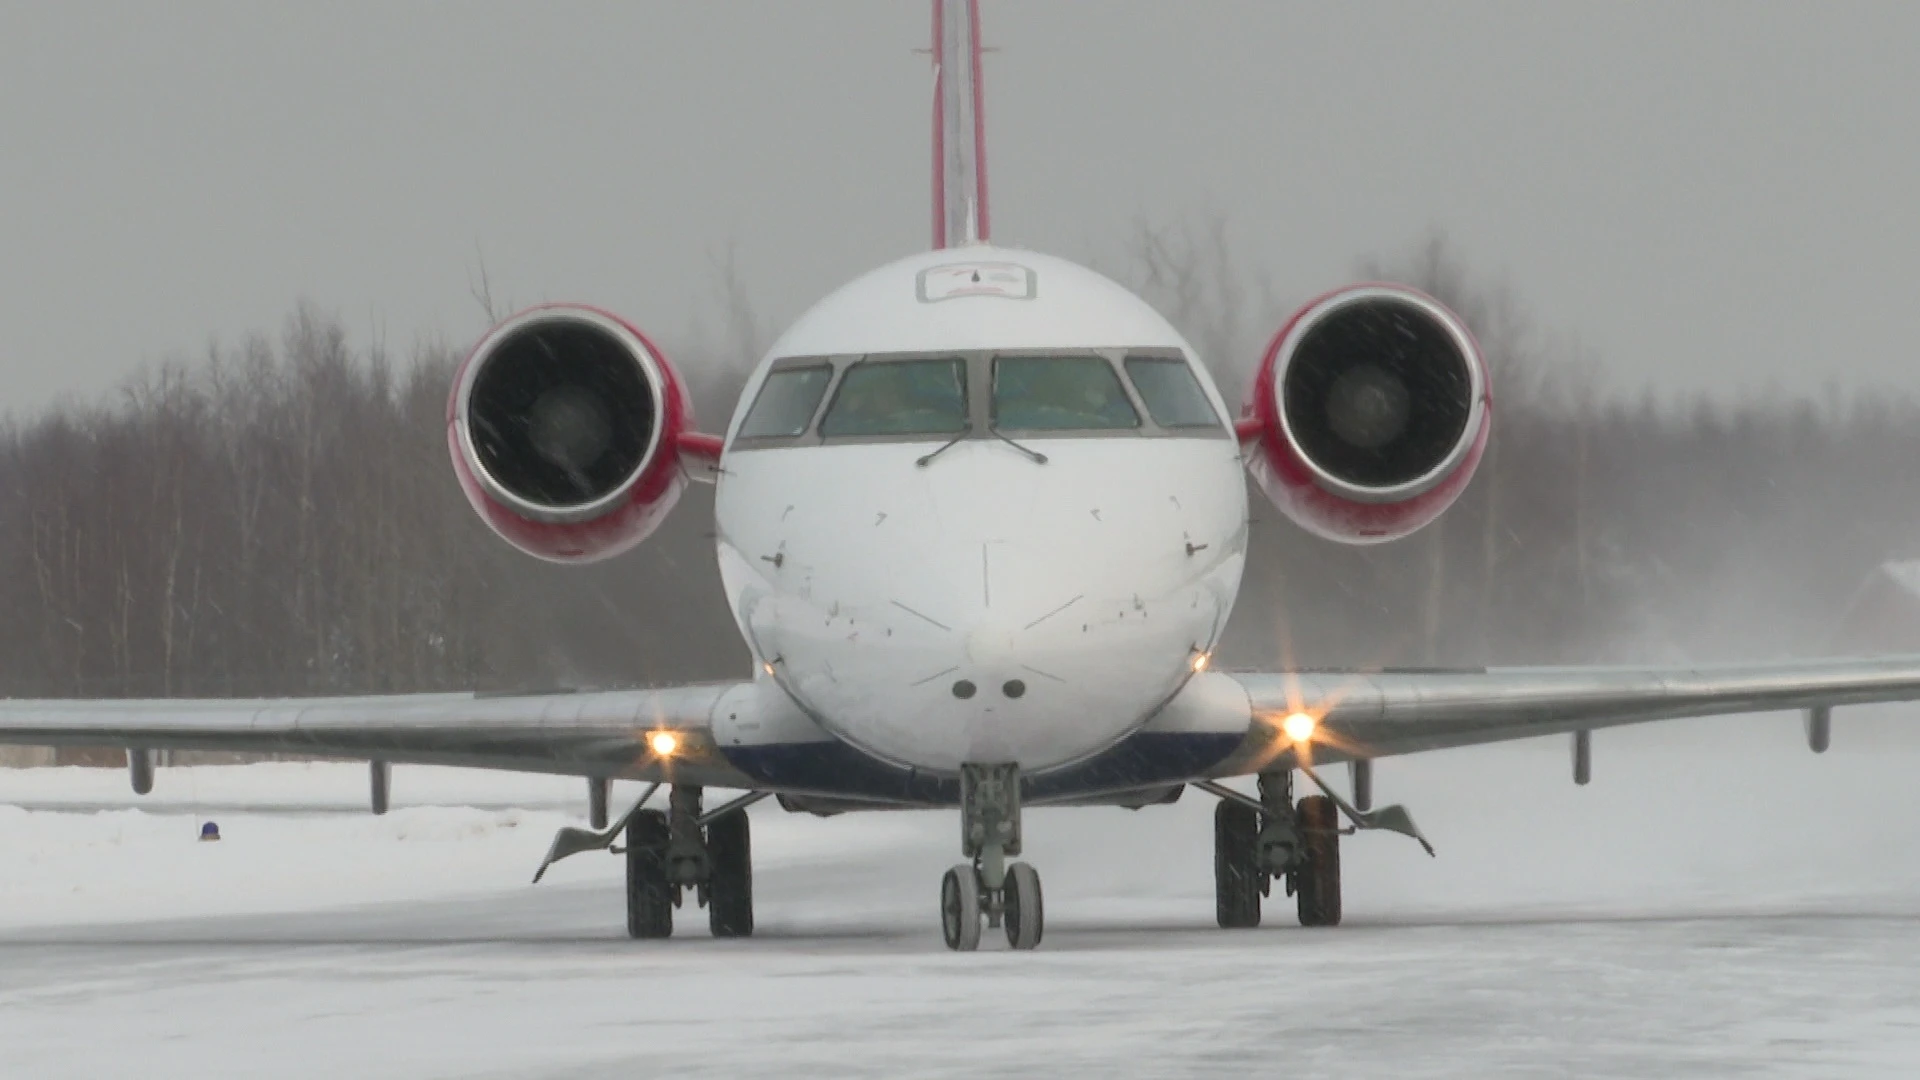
(1299, 843)
(1005, 895)
(680, 850)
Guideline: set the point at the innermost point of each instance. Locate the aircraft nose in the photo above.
(1047, 691)
(992, 644)
(1044, 674)
(989, 609)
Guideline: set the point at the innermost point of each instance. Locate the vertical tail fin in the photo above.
(959, 128)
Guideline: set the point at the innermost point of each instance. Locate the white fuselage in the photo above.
(982, 606)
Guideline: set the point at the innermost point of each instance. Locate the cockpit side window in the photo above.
(786, 403)
(1171, 393)
(899, 397)
(1059, 393)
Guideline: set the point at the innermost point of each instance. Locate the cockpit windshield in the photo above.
(899, 397)
(787, 401)
(1059, 393)
(1150, 393)
(1170, 392)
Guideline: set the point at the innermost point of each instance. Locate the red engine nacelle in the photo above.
(568, 431)
(1369, 413)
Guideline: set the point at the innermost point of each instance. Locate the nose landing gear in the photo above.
(1005, 895)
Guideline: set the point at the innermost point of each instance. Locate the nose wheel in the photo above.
(990, 889)
(960, 908)
(1023, 914)
(965, 904)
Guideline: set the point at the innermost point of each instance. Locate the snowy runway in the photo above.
(1718, 903)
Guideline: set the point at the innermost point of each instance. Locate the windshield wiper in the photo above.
(921, 462)
(1037, 457)
(1033, 455)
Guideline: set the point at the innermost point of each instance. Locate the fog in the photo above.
(281, 518)
(243, 241)
(1713, 196)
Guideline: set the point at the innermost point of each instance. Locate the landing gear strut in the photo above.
(681, 850)
(1299, 843)
(1006, 895)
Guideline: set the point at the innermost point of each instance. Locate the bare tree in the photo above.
(278, 518)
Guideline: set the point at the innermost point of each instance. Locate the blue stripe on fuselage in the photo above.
(833, 768)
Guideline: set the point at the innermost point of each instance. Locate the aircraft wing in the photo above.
(1367, 715)
(607, 733)
(602, 733)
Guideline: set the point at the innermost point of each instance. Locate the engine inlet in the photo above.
(561, 414)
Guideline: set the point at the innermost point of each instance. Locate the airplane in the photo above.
(981, 518)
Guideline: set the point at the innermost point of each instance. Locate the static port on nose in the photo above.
(1013, 688)
(964, 689)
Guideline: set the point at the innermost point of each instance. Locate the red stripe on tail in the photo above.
(939, 135)
(959, 126)
(979, 127)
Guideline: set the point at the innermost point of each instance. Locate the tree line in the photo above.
(278, 517)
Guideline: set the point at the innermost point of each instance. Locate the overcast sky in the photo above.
(1719, 195)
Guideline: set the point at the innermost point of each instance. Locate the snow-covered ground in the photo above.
(1718, 902)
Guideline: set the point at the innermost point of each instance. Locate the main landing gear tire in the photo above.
(1316, 880)
(649, 893)
(1025, 915)
(730, 884)
(960, 908)
(1238, 879)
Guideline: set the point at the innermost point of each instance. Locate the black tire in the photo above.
(730, 888)
(649, 895)
(1237, 876)
(1025, 912)
(1316, 881)
(960, 908)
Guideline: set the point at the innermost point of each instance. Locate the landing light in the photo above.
(664, 743)
(1299, 726)
(1200, 661)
